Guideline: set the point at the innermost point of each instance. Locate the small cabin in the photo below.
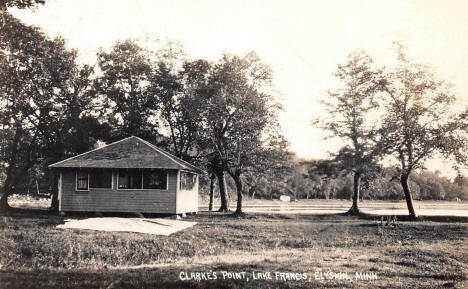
(130, 175)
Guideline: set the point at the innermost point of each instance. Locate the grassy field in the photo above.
(423, 254)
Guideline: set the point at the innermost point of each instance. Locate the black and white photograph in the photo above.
(233, 144)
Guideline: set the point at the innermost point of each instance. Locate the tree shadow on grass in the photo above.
(48, 212)
(43, 212)
(338, 217)
(406, 218)
(28, 212)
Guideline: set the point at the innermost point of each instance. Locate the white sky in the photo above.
(302, 41)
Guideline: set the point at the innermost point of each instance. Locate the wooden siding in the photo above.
(113, 200)
(187, 200)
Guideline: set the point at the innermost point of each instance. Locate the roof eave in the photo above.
(181, 164)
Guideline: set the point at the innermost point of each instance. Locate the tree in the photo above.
(179, 85)
(35, 78)
(272, 176)
(75, 127)
(21, 4)
(350, 109)
(422, 120)
(240, 120)
(460, 184)
(461, 180)
(124, 84)
(181, 103)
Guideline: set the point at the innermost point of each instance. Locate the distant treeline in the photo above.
(301, 182)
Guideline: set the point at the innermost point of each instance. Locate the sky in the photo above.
(303, 42)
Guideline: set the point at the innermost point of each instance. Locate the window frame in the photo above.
(180, 180)
(167, 179)
(142, 189)
(76, 182)
(123, 189)
(112, 180)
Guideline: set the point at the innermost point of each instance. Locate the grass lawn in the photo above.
(423, 254)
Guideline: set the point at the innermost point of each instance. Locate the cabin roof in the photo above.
(131, 152)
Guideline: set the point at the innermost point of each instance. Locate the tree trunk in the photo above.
(54, 204)
(354, 210)
(409, 199)
(222, 192)
(5, 192)
(238, 182)
(252, 192)
(37, 187)
(4, 206)
(210, 204)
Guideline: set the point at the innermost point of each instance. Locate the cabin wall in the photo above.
(187, 200)
(113, 200)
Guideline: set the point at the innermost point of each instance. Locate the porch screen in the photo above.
(154, 179)
(100, 179)
(187, 181)
(130, 179)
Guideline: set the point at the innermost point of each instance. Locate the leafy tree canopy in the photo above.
(21, 4)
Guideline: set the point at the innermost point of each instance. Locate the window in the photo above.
(187, 181)
(130, 179)
(154, 179)
(82, 180)
(100, 179)
(138, 179)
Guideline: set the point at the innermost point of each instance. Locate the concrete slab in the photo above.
(155, 226)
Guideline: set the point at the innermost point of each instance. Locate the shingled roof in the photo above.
(131, 152)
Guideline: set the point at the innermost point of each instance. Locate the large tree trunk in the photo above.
(222, 192)
(54, 204)
(210, 204)
(238, 182)
(5, 192)
(354, 210)
(409, 199)
(4, 206)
